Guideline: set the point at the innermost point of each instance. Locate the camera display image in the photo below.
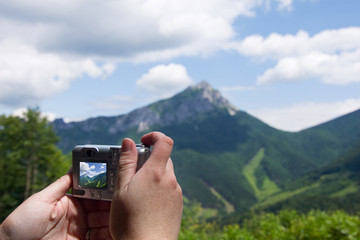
(92, 175)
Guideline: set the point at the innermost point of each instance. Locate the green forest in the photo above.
(97, 181)
(30, 160)
(286, 224)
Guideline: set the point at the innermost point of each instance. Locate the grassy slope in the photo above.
(229, 208)
(268, 187)
(330, 186)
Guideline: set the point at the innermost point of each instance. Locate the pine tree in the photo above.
(29, 158)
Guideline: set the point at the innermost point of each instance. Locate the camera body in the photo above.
(95, 168)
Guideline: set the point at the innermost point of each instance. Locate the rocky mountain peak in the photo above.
(213, 96)
(184, 106)
(203, 85)
(194, 100)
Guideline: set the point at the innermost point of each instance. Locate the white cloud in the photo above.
(92, 170)
(342, 68)
(172, 28)
(20, 112)
(304, 115)
(165, 80)
(27, 75)
(331, 55)
(285, 4)
(86, 169)
(44, 45)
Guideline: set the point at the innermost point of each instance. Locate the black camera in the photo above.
(95, 168)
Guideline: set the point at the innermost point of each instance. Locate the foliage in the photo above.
(29, 158)
(287, 224)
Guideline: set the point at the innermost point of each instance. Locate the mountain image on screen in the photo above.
(97, 181)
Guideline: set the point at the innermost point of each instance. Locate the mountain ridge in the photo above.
(215, 141)
(200, 98)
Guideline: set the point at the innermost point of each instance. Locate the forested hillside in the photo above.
(335, 186)
(224, 158)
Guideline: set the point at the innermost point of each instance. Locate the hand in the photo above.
(146, 204)
(51, 214)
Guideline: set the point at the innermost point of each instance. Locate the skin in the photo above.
(147, 204)
(51, 214)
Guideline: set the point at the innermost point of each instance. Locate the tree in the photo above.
(29, 158)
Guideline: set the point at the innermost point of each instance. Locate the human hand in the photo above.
(146, 204)
(51, 214)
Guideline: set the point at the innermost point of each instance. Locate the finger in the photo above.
(100, 233)
(162, 147)
(57, 189)
(127, 163)
(98, 219)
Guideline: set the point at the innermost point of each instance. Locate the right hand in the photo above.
(146, 204)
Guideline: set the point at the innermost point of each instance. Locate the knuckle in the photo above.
(168, 141)
(157, 175)
(173, 183)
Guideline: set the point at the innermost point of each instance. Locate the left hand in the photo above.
(51, 214)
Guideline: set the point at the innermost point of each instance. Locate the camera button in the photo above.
(112, 173)
(99, 196)
(92, 195)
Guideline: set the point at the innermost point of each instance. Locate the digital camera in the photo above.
(95, 168)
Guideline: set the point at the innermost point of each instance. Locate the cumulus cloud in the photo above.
(76, 28)
(342, 68)
(92, 168)
(172, 28)
(165, 80)
(27, 75)
(44, 45)
(331, 55)
(86, 169)
(304, 115)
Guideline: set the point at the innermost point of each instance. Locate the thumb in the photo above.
(57, 189)
(127, 163)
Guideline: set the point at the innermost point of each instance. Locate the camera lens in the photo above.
(89, 152)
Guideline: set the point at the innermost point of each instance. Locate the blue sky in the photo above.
(92, 168)
(291, 63)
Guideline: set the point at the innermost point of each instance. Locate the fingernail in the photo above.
(126, 145)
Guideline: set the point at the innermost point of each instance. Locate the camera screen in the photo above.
(92, 175)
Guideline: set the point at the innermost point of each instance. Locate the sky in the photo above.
(291, 63)
(92, 169)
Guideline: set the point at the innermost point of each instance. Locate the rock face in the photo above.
(194, 100)
(183, 107)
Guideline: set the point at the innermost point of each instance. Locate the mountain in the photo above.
(223, 157)
(334, 186)
(181, 108)
(84, 180)
(97, 181)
